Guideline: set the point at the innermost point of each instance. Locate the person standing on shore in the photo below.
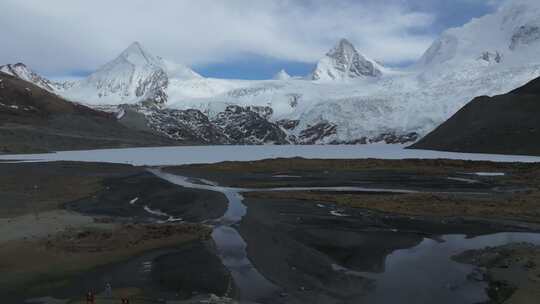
(90, 299)
(108, 290)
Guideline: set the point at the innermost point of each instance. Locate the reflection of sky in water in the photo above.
(426, 274)
(230, 245)
(232, 251)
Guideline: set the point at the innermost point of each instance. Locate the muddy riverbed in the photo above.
(319, 232)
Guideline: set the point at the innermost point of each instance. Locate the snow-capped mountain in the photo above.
(20, 70)
(282, 75)
(511, 35)
(347, 99)
(177, 71)
(134, 76)
(344, 62)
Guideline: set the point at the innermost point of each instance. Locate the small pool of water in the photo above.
(427, 274)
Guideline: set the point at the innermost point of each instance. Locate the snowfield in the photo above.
(404, 103)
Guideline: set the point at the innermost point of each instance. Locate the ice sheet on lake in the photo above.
(211, 154)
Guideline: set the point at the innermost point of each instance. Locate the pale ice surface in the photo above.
(163, 156)
(490, 173)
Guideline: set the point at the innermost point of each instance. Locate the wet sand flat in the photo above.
(446, 188)
(143, 196)
(38, 187)
(46, 249)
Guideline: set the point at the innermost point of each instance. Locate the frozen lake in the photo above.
(162, 156)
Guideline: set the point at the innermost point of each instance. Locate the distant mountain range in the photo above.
(348, 98)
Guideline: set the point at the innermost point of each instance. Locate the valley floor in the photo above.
(320, 231)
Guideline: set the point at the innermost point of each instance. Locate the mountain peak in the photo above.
(22, 71)
(20, 65)
(134, 76)
(135, 45)
(343, 46)
(15, 69)
(134, 48)
(344, 62)
(136, 54)
(282, 75)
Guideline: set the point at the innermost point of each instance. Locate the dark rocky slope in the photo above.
(504, 124)
(35, 120)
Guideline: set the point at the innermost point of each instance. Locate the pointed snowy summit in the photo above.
(136, 54)
(344, 62)
(134, 76)
(282, 75)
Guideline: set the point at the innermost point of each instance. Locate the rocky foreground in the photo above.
(512, 271)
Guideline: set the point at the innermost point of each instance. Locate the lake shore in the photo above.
(512, 271)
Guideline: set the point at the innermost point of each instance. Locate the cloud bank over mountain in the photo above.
(80, 35)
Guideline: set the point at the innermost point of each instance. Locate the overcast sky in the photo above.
(231, 38)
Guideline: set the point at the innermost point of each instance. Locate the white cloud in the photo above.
(60, 35)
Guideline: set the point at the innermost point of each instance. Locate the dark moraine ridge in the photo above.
(503, 124)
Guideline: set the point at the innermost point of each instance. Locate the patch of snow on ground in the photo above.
(120, 114)
(465, 180)
(338, 213)
(489, 173)
(170, 218)
(155, 212)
